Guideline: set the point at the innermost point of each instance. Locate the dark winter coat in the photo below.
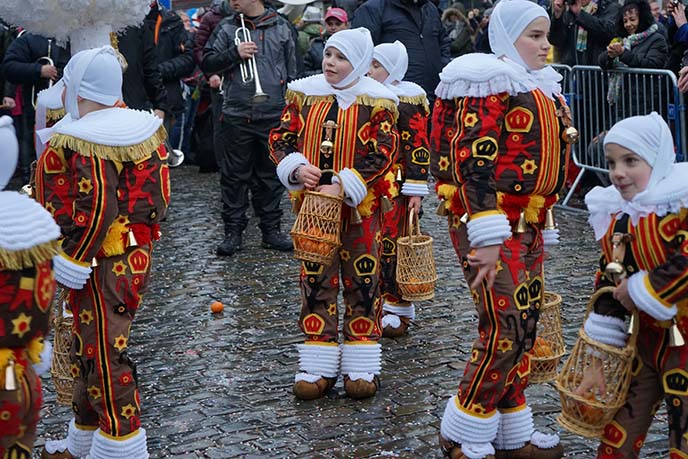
(209, 21)
(652, 53)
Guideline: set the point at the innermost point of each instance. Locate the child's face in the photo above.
(532, 45)
(334, 25)
(377, 72)
(631, 21)
(335, 66)
(628, 172)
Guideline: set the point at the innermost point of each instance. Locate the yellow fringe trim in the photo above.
(55, 114)
(35, 348)
(5, 355)
(113, 245)
(28, 258)
(378, 103)
(416, 100)
(111, 153)
(532, 212)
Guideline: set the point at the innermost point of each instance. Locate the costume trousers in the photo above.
(358, 262)
(246, 165)
(105, 389)
(496, 374)
(659, 374)
(394, 225)
(20, 411)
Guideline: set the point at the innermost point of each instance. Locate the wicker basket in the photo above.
(416, 274)
(60, 369)
(316, 231)
(588, 416)
(544, 366)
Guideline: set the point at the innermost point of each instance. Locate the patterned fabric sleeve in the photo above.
(381, 146)
(441, 135)
(283, 139)
(94, 184)
(413, 142)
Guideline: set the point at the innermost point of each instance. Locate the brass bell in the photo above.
(385, 204)
(27, 190)
(631, 325)
(10, 376)
(399, 178)
(326, 147)
(615, 272)
(94, 263)
(132, 239)
(522, 225)
(675, 336)
(571, 134)
(464, 218)
(355, 218)
(441, 209)
(295, 206)
(549, 220)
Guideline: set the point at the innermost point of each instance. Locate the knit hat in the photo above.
(394, 59)
(508, 20)
(357, 46)
(9, 151)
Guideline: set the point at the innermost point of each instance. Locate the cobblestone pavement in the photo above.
(219, 386)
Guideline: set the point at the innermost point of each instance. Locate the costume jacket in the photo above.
(414, 148)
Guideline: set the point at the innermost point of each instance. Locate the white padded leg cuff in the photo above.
(361, 358)
(638, 285)
(309, 378)
(319, 359)
(78, 441)
(403, 311)
(488, 230)
(69, 273)
(391, 320)
(550, 237)
(466, 429)
(515, 429)
(544, 441)
(287, 166)
(606, 329)
(133, 447)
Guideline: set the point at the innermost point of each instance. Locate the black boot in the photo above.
(277, 240)
(231, 244)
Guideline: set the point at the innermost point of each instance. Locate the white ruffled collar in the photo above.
(115, 127)
(668, 196)
(481, 75)
(25, 223)
(407, 89)
(316, 85)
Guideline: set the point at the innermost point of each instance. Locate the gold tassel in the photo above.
(549, 220)
(385, 204)
(94, 263)
(10, 376)
(675, 336)
(522, 226)
(132, 240)
(355, 218)
(442, 210)
(399, 178)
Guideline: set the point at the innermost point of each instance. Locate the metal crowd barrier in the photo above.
(642, 91)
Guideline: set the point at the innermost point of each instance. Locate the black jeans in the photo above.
(246, 165)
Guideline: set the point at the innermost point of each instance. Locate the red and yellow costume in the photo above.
(364, 143)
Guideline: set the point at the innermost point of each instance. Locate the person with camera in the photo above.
(268, 48)
(582, 29)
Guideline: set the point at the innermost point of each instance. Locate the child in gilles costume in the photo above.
(362, 115)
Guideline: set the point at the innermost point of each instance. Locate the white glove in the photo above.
(550, 238)
(70, 274)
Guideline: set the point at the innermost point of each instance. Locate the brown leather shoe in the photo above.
(530, 451)
(57, 454)
(452, 450)
(391, 332)
(361, 388)
(312, 391)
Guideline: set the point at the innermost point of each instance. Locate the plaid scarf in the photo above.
(582, 36)
(615, 78)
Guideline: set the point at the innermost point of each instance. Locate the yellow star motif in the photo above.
(128, 411)
(123, 219)
(505, 344)
(443, 163)
(405, 135)
(529, 166)
(474, 356)
(455, 221)
(120, 343)
(85, 185)
(286, 117)
(74, 370)
(349, 311)
(86, 316)
(119, 268)
(470, 119)
(386, 127)
(22, 325)
(344, 255)
(94, 392)
(332, 309)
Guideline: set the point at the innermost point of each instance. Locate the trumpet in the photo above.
(45, 60)
(248, 67)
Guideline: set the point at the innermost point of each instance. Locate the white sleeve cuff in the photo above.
(414, 189)
(488, 230)
(69, 273)
(355, 190)
(606, 329)
(550, 237)
(287, 166)
(644, 300)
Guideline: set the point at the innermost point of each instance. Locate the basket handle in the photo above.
(341, 185)
(413, 213)
(635, 319)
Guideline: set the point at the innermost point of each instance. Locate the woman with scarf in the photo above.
(104, 177)
(639, 45)
(390, 61)
(646, 210)
(500, 154)
(343, 121)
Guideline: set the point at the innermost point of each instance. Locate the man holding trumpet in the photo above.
(254, 51)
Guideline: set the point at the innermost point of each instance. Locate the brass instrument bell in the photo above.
(675, 336)
(10, 376)
(522, 225)
(550, 224)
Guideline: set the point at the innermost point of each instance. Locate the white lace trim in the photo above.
(391, 320)
(544, 441)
